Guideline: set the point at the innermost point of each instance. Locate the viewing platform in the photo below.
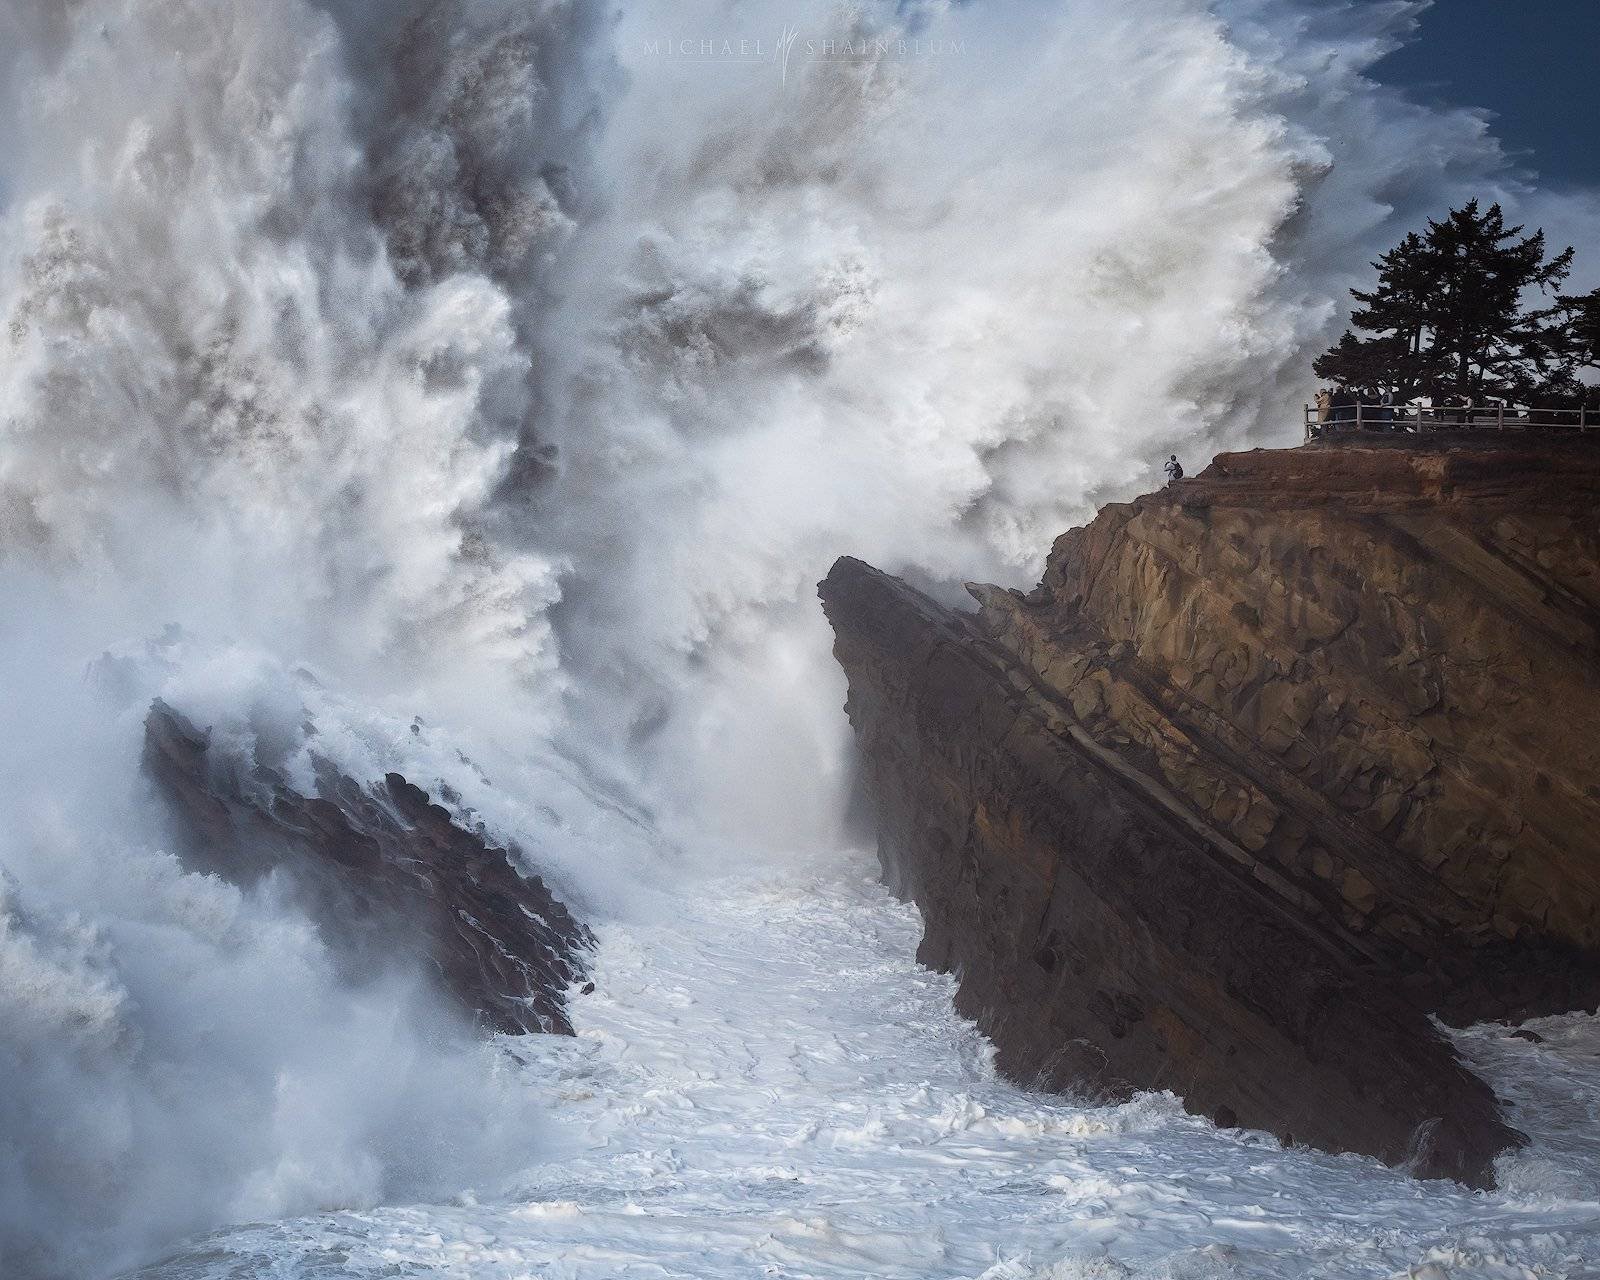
(1340, 419)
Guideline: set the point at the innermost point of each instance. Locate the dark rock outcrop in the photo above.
(1273, 765)
(387, 876)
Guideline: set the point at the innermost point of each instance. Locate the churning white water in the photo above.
(476, 388)
(769, 1086)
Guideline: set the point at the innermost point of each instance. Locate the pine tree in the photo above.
(1448, 315)
(1582, 316)
(1580, 350)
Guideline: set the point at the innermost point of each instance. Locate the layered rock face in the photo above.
(1272, 765)
(388, 877)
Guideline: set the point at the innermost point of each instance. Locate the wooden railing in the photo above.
(1420, 418)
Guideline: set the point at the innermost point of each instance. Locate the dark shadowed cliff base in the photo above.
(1272, 766)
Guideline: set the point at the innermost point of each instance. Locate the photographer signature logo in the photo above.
(785, 48)
(789, 51)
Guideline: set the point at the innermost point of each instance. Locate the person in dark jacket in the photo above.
(1173, 468)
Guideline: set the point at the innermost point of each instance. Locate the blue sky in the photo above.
(1534, 63)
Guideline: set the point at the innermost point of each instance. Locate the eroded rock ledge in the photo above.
(1271, 766)
(388, 877)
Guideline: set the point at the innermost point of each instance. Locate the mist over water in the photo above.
(485, 367)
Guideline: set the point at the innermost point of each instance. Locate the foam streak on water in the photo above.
(771, 1087)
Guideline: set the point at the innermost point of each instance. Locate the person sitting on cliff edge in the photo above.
(1173, 468)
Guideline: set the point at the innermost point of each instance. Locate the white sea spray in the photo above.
(471, 389)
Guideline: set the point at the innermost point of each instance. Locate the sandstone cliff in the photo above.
(388, 877)
(1272, 765)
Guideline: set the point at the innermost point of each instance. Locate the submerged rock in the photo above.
(386, 875)
(1273, 765)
